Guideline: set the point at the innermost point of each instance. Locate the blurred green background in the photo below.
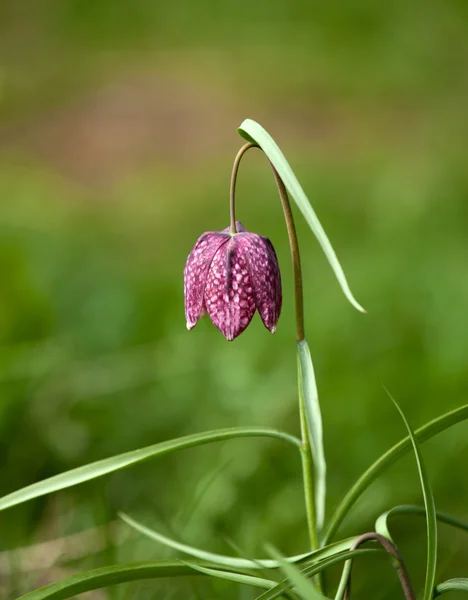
(117, 134)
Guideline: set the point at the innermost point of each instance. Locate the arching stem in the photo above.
(398, 562)
(307, 466)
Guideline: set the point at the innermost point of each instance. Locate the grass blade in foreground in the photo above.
(305, 588)
(121, 461)
(100, 578)
(430, 510)
(458, 584)
(314, 569)
(253, 132)
(422, 434)
(381, 525)
(308, 387)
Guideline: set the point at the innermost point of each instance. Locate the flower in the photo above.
(229, 276)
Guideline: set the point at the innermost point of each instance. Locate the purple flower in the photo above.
(229, 277)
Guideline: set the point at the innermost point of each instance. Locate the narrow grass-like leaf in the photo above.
(121, 461)
(340, 592)
(308, 387)
(105, 576)
(305, 587)
(391, 456)
(220, 559)
(381, 525)
(314, 569)
(429, 504)
(458, 584)
(253, 132)
(231, 561)
(232, 576)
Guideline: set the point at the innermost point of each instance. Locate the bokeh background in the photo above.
(117, 134)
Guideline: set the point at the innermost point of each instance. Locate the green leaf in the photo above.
(381, 525)
(305, 587)
(230, 561)
(308, 388)
(100, 578)
(220, 559)
(253, 132)
(391, 456)
(232, 576)
(458, 584)
(315, 568)
(431, 521)
(121, 461)
(340, 592)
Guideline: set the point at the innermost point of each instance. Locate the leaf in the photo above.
(231, 576)
(220, 559)
(308, 388)
(345, 575)
(314, 569)
(121, 461)
(253, 132)
(458, 584)
(391, 456)
(105, 576)
(429, 504)
(381, 525)
(233, 562)
(305, 587)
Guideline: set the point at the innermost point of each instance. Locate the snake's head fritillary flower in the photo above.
(229, 276)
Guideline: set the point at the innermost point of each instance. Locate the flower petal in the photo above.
(228, 293)
(196, 271)
(265, 275)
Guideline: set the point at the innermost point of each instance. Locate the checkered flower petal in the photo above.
(265, 276)
(230, 276)
(196, 272)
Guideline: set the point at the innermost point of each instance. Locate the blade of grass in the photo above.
(220, 559)
(340, 592)
(429, 505)
(231, 576)
(458, 584)
(391, 456)
(253, 132)
(305, 587)
(308, 389)
(314, 569)
(381, 525)
(273, 573)
(230, 561)
(105, 576)
(121, 461)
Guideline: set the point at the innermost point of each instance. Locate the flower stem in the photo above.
(307, 466)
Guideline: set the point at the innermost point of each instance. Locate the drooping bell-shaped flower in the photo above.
(229, 276)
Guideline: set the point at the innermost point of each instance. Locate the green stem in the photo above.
(307, 466)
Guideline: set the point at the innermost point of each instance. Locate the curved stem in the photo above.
(399, 564)
(232, 191)
(291, 228)
(307, 466)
